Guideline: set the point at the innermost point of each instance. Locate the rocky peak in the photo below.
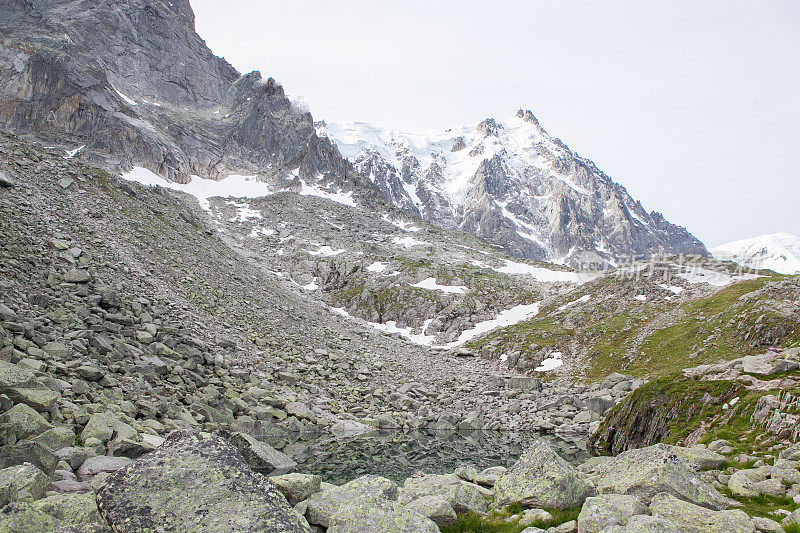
(488, 127)
(183, 9)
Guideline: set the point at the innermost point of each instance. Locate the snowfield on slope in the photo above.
(779, 252)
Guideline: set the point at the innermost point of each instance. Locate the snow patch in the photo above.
(233, 186)
(345, 198)
(408, 242)
(582, 299)
(551, 363)
(779, 252)
(431, 285)
(377, 266)
(73, 153)
(326, 251)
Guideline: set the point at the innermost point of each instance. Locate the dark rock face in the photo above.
(195, 482)
(135, 84)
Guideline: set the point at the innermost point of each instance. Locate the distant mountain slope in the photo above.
(513, 184)
(779, 252)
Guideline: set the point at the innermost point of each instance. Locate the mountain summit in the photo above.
(513, 184)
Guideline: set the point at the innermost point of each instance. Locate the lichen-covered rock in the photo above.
(542, 479)
(22, 483)
(21, 386)
(297, 487)
(26, 451)
(260, 455)
(21, 421)
(323, 505)
(435, 507)
(75, 456)
(56, 438)
(647, 524)
(100, 426)
(489, 476)
(608, 510)
(73, 509)
(22, 517)
(696, 519)
(195, 482)
(648, 471)
(101, 464)
(461, 495)
(699, 458)
(364, 515)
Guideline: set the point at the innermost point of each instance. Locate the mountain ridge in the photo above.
(513, 184)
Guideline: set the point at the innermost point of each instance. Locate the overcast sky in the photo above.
(693, 106)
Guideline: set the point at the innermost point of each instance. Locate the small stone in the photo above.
(77, 276)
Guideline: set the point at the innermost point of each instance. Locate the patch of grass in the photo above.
(791, 528)
(762, 506)
(497, 521)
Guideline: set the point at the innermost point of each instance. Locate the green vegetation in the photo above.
(762, 506)
(501, 522)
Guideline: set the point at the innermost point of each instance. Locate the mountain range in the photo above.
(88, 77)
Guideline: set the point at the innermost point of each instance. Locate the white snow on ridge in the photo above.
(779, 252)
(506, 318)
(544, 274)
(345, 198)
(431, 285)
(234, 186)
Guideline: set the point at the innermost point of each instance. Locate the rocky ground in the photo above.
(130, 316)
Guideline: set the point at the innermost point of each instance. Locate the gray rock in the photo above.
(767, 364)
(363, 515)
(608, 510)
(77, 275)
(542, 479)
(435, 507)
(489, 476)
(5, 181)
(21, 421)
(297, 487)
(73, 509)
(22, 517)
(647, 471)
(26, 451)
(23, 482)
(323, 505)
(93, 466)
(75, 455)
(765, 525)
(164, 489)
(22, 386)
(261, 456)
(462, 496)
(350, 428)
(650, 524)
(696, 519)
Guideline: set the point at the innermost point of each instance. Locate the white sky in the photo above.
(693, 106)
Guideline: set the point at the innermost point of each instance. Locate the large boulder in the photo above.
(542, 479)
(647, 471)
(323, 505)
(699, 458)
(437, 508)
(605, 510)
(462, 496)
(26, 451)
(696, 519)
(766, 364)
(22, 386)
(364, 515)
(21, 421)
(22, 483)
(195, 482)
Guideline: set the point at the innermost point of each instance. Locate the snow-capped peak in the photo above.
(510, 182)
(779, 252)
